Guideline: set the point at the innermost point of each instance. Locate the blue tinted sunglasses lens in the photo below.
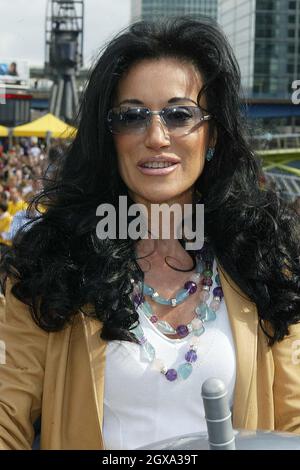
(132, 118)
(174, 117)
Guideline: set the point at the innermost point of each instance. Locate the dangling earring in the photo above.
(210, 153)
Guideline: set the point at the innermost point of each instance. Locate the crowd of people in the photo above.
(21, 170)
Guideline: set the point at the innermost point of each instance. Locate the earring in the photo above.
(210, 153)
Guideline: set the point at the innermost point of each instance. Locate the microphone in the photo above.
(217, 415)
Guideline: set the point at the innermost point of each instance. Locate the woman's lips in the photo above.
(157, 171)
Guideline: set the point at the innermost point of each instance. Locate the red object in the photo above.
(15, 96)
(262, 179)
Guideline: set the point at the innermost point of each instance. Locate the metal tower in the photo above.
(64, 54)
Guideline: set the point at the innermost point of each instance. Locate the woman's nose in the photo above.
(156, 134)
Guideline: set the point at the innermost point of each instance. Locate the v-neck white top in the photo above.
(141, 406)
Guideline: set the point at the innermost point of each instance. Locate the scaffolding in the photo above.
(64, 54)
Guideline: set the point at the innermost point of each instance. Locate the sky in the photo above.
(22, 28)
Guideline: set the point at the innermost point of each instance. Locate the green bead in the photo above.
(207, 273)
(217, 278)
(185, 370)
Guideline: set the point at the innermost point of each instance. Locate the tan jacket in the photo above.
(61, 376)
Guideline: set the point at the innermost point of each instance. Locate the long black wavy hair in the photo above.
(60, 267)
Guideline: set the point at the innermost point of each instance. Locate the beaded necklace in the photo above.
(190, 287)
(204, 313)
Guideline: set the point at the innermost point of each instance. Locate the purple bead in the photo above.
(171, 375)
(138, 299)
(207, 281)
(182, 331)
(191, 356)
(191, 287)
(154, 318)
(218, 292)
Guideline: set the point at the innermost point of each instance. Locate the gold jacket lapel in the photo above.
(244, 324)
(96, 349)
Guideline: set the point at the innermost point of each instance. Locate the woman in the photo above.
(110, 340)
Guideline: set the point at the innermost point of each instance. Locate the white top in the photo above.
(141, 406)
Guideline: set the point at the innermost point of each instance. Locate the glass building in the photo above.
(265, 36)
(156, 9)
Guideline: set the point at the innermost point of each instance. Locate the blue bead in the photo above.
(138, 331)
(182, 295)
(148, 290)
(200, 267)
(185, 370)
(201, 311)
(147, 308)
(149, 351)
(161, 300)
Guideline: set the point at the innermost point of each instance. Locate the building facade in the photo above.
(156, 9)
(265, 36)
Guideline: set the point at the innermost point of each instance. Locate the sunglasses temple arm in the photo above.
(207, 117)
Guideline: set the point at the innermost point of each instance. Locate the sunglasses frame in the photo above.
(150, 113)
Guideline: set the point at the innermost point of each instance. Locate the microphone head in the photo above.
(217, 415)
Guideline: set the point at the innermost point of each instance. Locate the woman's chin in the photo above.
(162, 199)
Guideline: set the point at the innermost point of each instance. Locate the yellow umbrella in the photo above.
(45, 125)
(3, 131)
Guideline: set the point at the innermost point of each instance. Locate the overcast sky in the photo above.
(22, 27)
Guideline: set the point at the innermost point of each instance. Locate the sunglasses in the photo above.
(179, 120)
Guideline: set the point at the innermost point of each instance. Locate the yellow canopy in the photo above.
(48, 123)
(3, 131)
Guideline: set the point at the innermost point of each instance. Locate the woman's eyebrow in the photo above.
(175, 99)
(182, 98)
(131, 101)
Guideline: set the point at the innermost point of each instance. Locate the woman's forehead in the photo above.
(160, 80)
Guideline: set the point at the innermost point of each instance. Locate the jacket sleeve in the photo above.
(23, 349)
(286, 387)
